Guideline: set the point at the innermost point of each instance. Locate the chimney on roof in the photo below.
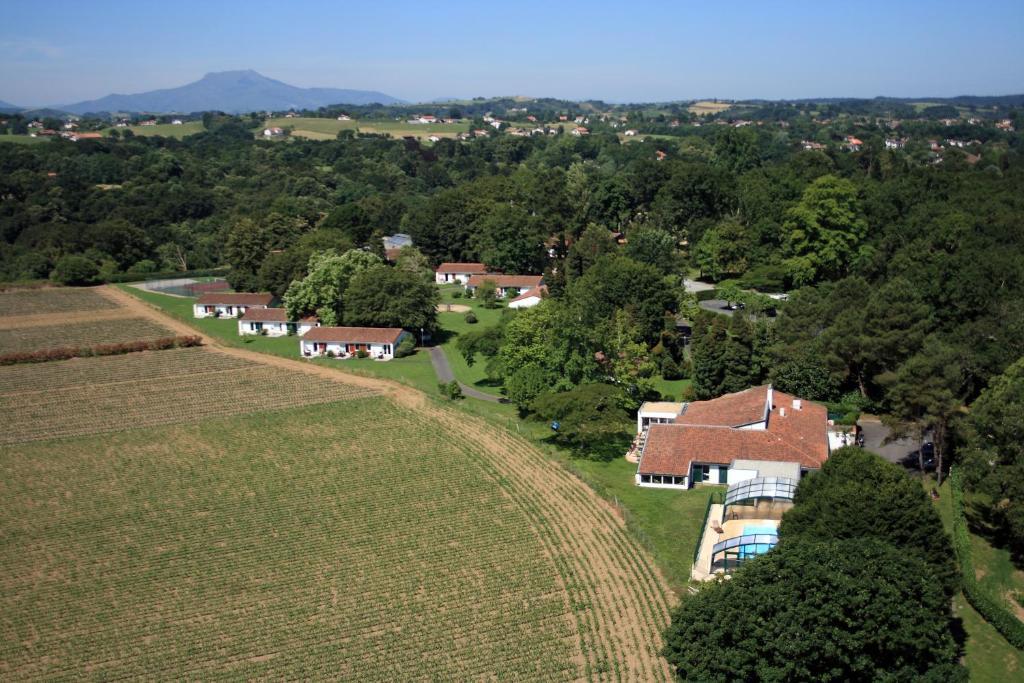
(797, 404)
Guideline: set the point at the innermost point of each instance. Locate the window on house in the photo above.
(701, 473)
(645, 478)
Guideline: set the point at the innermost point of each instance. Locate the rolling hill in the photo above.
(232, 92)
(8, 108)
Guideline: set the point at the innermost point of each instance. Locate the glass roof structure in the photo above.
(760, 488)
(732, 552)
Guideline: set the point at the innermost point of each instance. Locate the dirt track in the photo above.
(616, 594)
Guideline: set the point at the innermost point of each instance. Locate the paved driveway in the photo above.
(716, 306)
(901, 451)
(444, 373)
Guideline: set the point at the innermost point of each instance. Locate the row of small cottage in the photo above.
(256, 317)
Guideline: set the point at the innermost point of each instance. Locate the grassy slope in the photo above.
(989, 657)
(167, 130)
(22, 139)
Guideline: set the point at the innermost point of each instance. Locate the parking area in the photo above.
(900, 451)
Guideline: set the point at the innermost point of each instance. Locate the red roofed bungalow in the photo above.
(231, 304)
(274, 322)
(457, 272)
(506, 283)
(378, 343)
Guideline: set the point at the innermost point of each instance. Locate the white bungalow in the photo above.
(345, 342)
(274, 322)
(458, 272)
(529, 298)
(232, 305)
(506, 283)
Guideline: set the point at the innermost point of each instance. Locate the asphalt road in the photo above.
(444, 373)
(901, 451)
(716, 306)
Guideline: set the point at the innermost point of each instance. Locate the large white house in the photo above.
(458, 272)
(230, 304)
(344, 342)
(730, 439)
(274, 322)
(506, 283)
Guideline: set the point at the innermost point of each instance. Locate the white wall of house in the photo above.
(342, 349)
(658, 481)
(212, 310)
(735, 475)
(647, 418)
(273, 329)
(446, 278)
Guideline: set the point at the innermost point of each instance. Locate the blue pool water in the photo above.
(751, 549)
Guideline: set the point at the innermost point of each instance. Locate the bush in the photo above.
(457, 294)
(471, 317)
(406, 347)
(66, 352)
(75, 270)
(329, 354)
(451, 390)
(361, 353)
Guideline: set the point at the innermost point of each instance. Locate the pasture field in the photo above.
(85, 333)
(21, 139)
(708, 107)
(346, 541)
(167, 130)
(52, 300)
(115, 393)
(327, 129)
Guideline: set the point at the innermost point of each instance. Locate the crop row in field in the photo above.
(150, 365)
(52, 300)
(80, 334)
(108, 401)
(350, 541)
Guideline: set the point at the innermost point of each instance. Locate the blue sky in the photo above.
(61, 52)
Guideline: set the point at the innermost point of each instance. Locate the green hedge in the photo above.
(990, 607)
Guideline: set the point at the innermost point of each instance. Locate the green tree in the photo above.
(652, 246)
(723, 249)
(321, 291)
(412, 259)
(245, 250)
(74, 270)
(857, 495)
(824, 231)
(818, 610)
(594, 243)
(381, 296)
(592, 421)
(487, 292)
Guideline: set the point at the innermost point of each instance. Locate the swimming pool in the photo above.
(751, 549)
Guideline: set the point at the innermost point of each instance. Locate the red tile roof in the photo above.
(462, 268)
(536, 291)
(792, 435)
(518, 281)
(235, 299)
(355, 335)
(273, 315)
(731, 410)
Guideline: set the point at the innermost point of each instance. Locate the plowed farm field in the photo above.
(84, 333)
(52, 300)
(212, 513)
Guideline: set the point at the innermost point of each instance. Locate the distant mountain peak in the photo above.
(234, 91)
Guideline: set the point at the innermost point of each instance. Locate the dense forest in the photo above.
(905, 274)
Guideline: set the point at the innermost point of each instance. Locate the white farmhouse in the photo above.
(274, 322)
(231, 305)
(458, 272)
(345, 342)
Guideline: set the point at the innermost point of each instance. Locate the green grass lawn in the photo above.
(167, 130)
(327, 129)
(455, 324)
(989, 657)
(22, 139)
